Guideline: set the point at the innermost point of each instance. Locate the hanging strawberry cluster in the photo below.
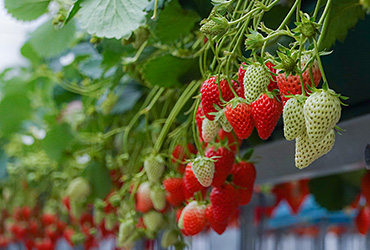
(267, 85)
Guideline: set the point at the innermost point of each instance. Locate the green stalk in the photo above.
(138, 114)
(195, 131)
(324, 21)
(186, 95)
(317, 7)
(286, 19)
(155, 10)
(319, 61)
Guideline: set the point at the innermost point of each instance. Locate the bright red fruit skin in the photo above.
(224, 200)
(266, 112)
(240, 118)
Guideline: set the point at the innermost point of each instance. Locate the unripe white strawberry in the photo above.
(154, 167)
(294, 122)
(209, 129)
(256, 79)
(158, 197)
(307, 152)
(78, 189)
(225, 124)
(321, 112)
(204, 169)
(153, 220)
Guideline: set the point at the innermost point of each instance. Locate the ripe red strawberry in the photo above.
(266, 111)
(230, 138)
(48, 219)
(68, 234)
(180, 153)
(210, 94)
(291, 85)
(365, 186)
(194, 218)
(175, 190)
(218, 227)
(191, 182)
(240, 117)
(273, 83)
(143, 201)
(223, 164)
(26, 212)
(224, 200)
(362, 220)
(244, 176)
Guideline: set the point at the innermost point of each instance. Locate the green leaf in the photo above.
(26, 10)
(332, 192)
(128, 97)
(91, 67)
(99, 179)
(28, 52)
(73, 11)
(48, 41)
(112, 18)
(174, 22)
(57, 140)
(167, 70)
(15, 106)
(343, 15)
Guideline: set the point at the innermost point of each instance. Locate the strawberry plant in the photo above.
(133, 122)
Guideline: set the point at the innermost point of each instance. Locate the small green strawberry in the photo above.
(126, 229)
(158, 197)
(307, 152)
(203, 169)
(169, 238)
(294, 123)
(153, 220)
(209, 129)
(78, 189)
(154, 167)
(214, 26)
(321, 112)
(256, 80)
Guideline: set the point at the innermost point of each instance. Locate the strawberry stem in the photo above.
(186, 95)
(196, 131)
(319, 60)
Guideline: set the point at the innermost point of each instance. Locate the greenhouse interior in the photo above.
(184, 124)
